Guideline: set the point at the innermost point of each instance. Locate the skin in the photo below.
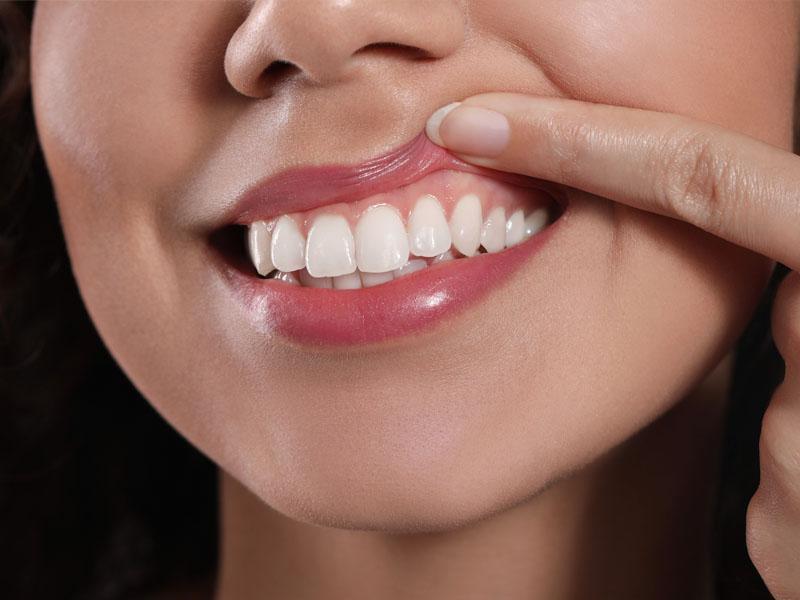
(711, 177)
(559, 446)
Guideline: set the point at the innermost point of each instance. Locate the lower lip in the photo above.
(410, 304)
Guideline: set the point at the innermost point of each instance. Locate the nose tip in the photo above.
(323, 41)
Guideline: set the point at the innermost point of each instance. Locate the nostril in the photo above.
(277, 71)
(393, 49)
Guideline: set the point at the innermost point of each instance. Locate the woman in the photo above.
(523, 396)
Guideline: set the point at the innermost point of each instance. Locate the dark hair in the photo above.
(99, 497)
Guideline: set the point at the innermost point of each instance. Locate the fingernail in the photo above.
(432, 127)
(469, 130)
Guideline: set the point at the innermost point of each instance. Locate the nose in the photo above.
(326, 41)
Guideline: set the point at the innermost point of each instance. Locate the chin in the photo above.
(409, 505)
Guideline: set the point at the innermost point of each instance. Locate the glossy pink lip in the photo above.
(329, 317)
(302, 189)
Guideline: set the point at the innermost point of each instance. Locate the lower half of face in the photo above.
(426, 397)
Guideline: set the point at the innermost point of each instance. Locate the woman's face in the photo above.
(155, 117)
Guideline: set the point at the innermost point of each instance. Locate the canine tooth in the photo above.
(288, 245)
(515, 228)
(289, 278)
(416, 264)
(465, 225)
(493, 232)
(381, 240)
(536, 221)
(258, 245)
(428, 232)
(330, 247)
(309, 280)
(371, 279)
(351, 281)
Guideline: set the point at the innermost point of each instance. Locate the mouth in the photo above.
(332, 256)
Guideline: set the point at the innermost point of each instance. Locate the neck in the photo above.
(633, 524)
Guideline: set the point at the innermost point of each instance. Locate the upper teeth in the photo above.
(428, 232)
(330, 247)
(381, 242)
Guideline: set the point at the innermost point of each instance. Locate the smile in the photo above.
(354, 270)
(446, 216)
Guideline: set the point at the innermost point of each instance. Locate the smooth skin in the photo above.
(726, 183)
(557, 441)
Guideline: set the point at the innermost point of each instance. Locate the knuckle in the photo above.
(693, 175)
(574, 140)
(785, 319)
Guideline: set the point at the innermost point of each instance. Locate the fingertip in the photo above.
(435, 120)
(472, 130)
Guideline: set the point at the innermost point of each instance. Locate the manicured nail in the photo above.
(432, 127)
(469, 130)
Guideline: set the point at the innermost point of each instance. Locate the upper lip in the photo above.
(304, 188)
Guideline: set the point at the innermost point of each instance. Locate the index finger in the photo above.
(734, 186)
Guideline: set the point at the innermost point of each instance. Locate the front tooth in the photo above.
(309, 280)
(288, 245)
(493, 232)
(515, 228)
(411, 266)
(371, 279)
(258, 244)
(465, 225)
(536, 221)
(381, 240)
(428, 233)
(330, 247)
(351, 281)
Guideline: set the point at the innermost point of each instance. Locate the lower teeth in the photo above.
(361, 280)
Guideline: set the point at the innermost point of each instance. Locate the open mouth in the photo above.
(447, 216)
(384, 264)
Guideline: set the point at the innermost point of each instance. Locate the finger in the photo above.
(732, 185)
(773, 514)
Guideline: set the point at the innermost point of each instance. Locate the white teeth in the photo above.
(371, 279)
(515, 228)
(258, 245)
(309, 280)
(334, 256)
(428, 233)
(493, 232)
(536, 221)
(465, 225)
(416, 264)
(290, 278)
(443, 257)
(381, 240)
(288, 245)
(351, 281)
(330, 247)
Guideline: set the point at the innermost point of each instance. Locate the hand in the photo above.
(713, 178)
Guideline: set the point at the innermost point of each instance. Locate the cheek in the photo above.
(122, 112)
(712, 60)
(121, 127)
(678, 293)
(118, 101)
